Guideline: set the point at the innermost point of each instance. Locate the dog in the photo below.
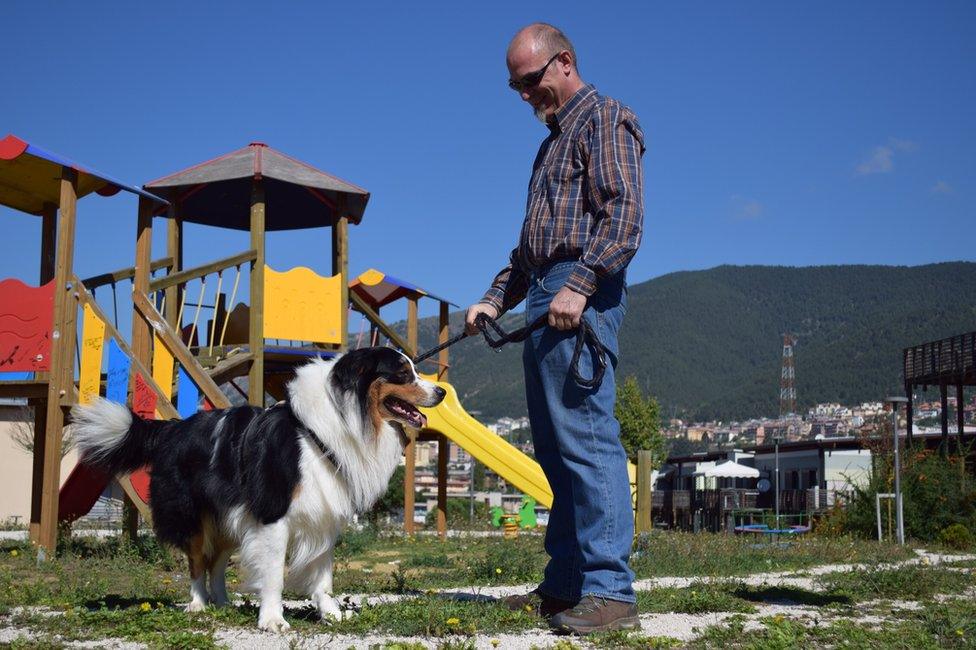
(279, 483)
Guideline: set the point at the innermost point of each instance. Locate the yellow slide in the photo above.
(494, 452)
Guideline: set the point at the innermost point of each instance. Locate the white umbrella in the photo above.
(729, 469)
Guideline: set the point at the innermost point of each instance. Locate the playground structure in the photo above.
(177, 359)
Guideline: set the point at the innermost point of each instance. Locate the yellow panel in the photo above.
(92, 340)
(162, 369)
(300, 305)
(371, 277)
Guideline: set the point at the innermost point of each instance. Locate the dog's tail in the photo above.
(111, 437)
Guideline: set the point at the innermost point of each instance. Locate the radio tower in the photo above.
(787, 384)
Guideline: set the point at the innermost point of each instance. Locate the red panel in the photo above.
(143, 399)
(26, 320)
(140, 482)
(11, 147)
(80, 492)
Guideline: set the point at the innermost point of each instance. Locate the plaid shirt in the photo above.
(586, 198)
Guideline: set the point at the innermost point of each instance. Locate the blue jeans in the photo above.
(577, 443)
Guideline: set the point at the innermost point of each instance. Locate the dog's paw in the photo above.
(196, 606)
(220, 601)
(273, 623)
(329, 609)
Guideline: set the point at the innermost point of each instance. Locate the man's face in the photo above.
(550, 93)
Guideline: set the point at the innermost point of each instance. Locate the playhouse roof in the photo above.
(379, 289)
(30, 177)
(218, 192)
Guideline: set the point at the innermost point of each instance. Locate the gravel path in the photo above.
(685, 627)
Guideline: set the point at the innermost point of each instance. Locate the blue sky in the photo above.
(830, 133)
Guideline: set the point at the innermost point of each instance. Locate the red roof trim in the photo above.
(321, 197)
(258, 148)
(11, 147)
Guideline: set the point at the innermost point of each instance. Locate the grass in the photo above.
(688, 554)
(110, 589)
(902, 583)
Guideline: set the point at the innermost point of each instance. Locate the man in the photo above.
(582, 226)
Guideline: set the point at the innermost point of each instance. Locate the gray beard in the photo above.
(539, 115)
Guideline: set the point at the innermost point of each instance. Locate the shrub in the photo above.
(956, 536)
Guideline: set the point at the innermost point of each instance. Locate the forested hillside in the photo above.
(707, 344)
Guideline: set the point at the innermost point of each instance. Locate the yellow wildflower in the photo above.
(145, 607)
(167, 581)
(14, 553)
(959, 632)
(494, 643)
(453, 621)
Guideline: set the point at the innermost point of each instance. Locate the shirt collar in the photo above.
(568, 113)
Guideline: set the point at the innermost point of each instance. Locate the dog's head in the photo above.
(386, 385)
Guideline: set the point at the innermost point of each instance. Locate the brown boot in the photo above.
(536, 602)
(596, 614)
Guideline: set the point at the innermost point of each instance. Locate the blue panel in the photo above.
(188, 395)
(117, 383)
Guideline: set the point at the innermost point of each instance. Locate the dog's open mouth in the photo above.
(406, 411)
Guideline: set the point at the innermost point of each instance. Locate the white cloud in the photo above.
(941, 187)
(745, 209)
(881, 160)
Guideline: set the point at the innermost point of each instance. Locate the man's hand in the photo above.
(473, 311)
(566, 309)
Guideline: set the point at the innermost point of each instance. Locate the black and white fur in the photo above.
(279, 484)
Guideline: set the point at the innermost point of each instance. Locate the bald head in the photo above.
(543, 39)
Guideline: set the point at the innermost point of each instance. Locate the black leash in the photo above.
(584, 335)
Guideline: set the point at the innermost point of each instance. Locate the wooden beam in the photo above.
(199, 271)
(255, 388)
(230, 367)
(48, 443)
(113, 277)
(340, 266)
(29, 388)
(375, 319)
(173, 343)
(443, 360)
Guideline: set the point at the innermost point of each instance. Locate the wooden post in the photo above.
(49, 232)
(944, 417)
(644, 488)
(174, 250)
(141, 333)
(442, 443)
(340, 266)
(255, 388)
(410, 451)
(47, 443)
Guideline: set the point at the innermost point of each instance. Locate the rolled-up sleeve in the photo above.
(508, 288)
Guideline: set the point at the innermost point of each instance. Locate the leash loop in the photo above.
(496, 337)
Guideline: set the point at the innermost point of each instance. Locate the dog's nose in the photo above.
(439, 392)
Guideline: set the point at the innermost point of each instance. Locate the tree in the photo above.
(640, 422)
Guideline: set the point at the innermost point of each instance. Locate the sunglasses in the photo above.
(532, 79)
